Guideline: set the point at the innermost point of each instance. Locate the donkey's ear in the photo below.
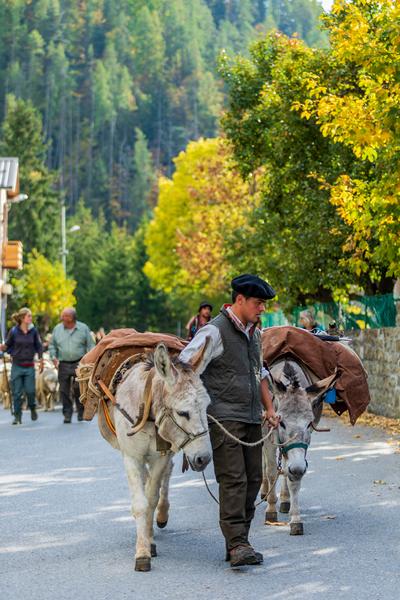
(163, 364)
(196, 362)
(320, 387)
(278, 385)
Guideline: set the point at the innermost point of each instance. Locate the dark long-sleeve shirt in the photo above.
(23, 346)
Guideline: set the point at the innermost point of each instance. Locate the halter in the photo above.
(190, 437)
(303, 445)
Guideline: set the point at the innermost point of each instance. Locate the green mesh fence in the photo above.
(365, 312)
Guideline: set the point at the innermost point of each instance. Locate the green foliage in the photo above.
(85, 249)
(144, 179)
(97, 70)
(298, 234)
(112, 290)
(35, 221)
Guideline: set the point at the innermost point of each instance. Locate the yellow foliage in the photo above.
(197, 212)
(359, 108)
(44, 288)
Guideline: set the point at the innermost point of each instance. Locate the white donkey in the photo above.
(178, 411)
(299, 406)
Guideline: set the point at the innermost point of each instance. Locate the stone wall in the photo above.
(379, 349)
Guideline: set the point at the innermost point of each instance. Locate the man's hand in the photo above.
(3, 347)
(41, 365)
(56, 362)
(272, 418)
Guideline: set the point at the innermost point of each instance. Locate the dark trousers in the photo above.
(22, 381)
(68, 383)
(238, 470)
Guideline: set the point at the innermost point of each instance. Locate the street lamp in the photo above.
(18, 199)
(64, 250)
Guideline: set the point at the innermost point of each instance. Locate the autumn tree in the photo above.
(297, 231)
(45, 289)
(357, 106)
(198, 210)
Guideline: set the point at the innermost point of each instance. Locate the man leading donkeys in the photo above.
(236, 383)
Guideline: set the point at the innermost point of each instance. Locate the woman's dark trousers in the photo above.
(22, 381)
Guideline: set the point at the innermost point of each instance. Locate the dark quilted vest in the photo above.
(233, 379)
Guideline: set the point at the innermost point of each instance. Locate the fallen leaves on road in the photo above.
(379, 481)
(276, 523)
(329, 517)
(339, 458)
(391, 426)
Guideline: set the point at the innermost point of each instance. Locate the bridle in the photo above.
(162, 419)
(285, 448)
(167, 414)
(291, 445)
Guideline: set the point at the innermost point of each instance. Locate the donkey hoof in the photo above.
(162, 524)
(143, 563)
(296, 529)
(284, 507)
(272, 517)
(153, 550)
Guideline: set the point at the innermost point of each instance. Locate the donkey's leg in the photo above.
(296, 526)
(163, 503)
(136, 473)
(284, 506)
(152, 490)
(271, 475)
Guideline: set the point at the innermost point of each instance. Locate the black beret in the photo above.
(253, 286)
(204, 304)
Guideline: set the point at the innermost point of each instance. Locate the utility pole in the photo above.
(64, 249)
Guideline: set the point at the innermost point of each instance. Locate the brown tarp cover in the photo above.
(322, 358)
(116, 347)
(121, 338)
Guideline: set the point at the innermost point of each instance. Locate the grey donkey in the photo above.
(298, 402)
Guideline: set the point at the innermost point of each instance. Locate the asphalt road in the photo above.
(66, 530)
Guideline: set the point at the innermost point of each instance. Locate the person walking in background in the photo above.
(70, 340)
(22, 343)
(198, 321)
(307, 321)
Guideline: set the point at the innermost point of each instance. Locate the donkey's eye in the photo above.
(282, 424)
(183, 413)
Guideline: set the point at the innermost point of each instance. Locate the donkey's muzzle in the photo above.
(200, 461)
(296, 472)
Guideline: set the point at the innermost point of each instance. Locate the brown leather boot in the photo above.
(244, 555)
(259, 556)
